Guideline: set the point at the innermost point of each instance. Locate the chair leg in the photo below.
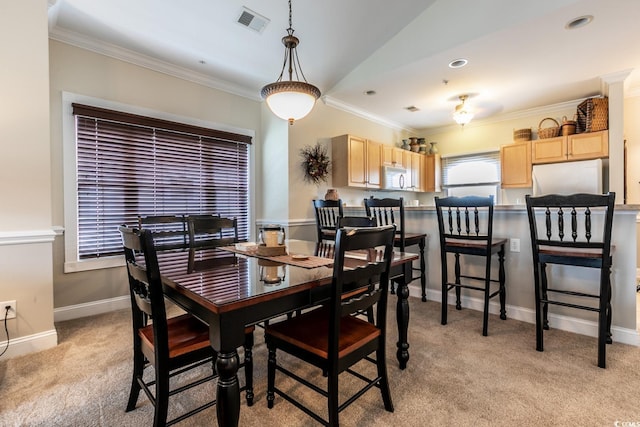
(538, 267)
(423, 275)
(487, 293)
(545, 306)
(457, 270)
(162, 400)
(138, 369)
(381, 363)
(503, 291)
(248, 367)
(271, 377)
(444, 292)
(332, 396)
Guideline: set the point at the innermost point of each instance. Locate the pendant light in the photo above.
(462, 115)
(290, 99)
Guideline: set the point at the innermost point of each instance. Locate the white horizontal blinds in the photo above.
(473, 169)
(132, 165)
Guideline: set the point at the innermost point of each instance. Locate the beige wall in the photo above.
(25, 173)
(86, 73)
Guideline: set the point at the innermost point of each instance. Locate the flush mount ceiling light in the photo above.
(462, 115)
(290, 99)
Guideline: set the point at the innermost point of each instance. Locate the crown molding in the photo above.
(332, 102)
(74, 39)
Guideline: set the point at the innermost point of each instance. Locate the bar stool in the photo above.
(468, 230)
(582, 246)
(391, 211)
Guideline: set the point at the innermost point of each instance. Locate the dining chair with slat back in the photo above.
(331, 337)
(327, 213)
(356, 221)
(169, 231)
(572, 230)
(465, 226)
(169, 345)
(391, 211)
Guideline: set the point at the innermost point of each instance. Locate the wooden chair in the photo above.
(356, 221)
(171, 346)
(169, 231)
(327, 213)
(465, 225)
(391, 211)
(331, 337)
(586, 243)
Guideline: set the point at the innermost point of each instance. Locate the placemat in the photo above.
(310, 262)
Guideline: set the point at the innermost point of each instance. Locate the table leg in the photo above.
(228, 391)
(402, 316)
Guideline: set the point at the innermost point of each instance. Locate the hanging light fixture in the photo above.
(462, 115)
(290, 99)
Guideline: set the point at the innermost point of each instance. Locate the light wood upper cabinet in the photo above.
(415, 171)
(356, 162)
(515, 165)
(431, 172)
(580, 146)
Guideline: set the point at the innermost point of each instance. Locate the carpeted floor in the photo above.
(454, 377)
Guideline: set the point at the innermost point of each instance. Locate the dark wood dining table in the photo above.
(231, 295)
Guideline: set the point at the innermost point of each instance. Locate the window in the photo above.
(472, 174)
(129, 165)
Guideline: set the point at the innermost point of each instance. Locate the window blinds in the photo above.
(129, 165)
(473, 169)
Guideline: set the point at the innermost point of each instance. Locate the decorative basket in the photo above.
(593, 115)
(522, 135)
(568, 126)
(551, 132)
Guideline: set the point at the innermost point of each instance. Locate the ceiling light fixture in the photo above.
(458, 63)
(290, 99)
(578, 22)
(462, 115)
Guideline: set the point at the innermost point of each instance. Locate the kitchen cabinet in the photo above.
(356, 162)
(580, 146)
(515, 165)
(430, 173)
(393, 156)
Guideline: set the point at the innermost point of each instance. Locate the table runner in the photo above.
(310, 262)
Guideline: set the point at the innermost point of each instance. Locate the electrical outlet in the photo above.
(514, 245)
(12, 310)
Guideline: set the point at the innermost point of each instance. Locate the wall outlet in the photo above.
(12, 310)
(514, 245)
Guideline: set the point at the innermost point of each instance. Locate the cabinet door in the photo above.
(515, 165)
(583, 146)
(373, 163)
(549, 150)
(431, 173)
(358, 162)
(416, 171)
(387, 154)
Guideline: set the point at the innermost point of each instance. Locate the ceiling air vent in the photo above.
(412, 108)
(248, 18)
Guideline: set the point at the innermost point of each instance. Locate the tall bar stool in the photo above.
(465, 226)
(391, 211)
(327, 213)
(587, 243)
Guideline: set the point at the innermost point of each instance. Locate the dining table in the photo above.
(231, 287)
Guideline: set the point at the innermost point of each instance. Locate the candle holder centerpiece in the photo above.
(271, 241)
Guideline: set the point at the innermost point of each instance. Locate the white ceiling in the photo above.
(520, 55)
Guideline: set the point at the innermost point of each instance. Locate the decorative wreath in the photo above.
(316, 163)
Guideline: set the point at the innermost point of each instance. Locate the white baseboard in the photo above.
(91, 308)
(30, 344)
(556, 321)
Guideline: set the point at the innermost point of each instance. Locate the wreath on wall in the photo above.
(316, 163)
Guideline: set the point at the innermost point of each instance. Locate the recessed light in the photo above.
(370, 92)
(578, 22)
(458, 63)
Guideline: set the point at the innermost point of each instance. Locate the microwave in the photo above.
(394, 178)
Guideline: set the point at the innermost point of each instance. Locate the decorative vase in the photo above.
(332, 194)
(433, 149)
(405, 144)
